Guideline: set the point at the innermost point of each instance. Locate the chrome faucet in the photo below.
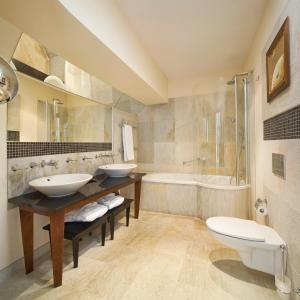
(203, 159)
(111, 156)
(51, 163)
(85, 158)
(68, 160)
(33, 165)
(15, 169)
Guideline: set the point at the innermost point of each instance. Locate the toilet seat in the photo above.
(237, 228)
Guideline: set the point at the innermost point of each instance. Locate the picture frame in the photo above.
(278, 62)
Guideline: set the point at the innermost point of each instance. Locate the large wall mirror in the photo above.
(57, 101)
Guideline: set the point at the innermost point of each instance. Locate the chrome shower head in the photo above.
(8, 82)
(231, 82)
(57, 101)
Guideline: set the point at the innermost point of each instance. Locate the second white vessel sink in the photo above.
(60, 185)
(118, 170)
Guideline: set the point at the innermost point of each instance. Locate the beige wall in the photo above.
(282, 195)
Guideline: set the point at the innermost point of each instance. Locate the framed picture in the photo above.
(278, 62)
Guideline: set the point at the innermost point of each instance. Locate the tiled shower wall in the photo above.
(180, 136)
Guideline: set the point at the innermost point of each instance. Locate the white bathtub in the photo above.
(208, 181)
(195, 195)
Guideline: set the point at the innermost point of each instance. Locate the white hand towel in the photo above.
(111, 202)
(128, 147)
(87, 213)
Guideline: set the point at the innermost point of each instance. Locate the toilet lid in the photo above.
(237, 228)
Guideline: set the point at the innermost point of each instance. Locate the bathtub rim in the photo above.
(194, 182)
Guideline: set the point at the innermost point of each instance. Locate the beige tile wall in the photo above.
(172, 133)
(282, 194)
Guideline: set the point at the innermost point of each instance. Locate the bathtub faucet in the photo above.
(203, 159)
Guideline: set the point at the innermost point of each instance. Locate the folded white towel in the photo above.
(108, 197)
(111, 201)
(128, 147)
(87, 213)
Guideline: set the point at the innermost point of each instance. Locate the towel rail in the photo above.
(126, 123)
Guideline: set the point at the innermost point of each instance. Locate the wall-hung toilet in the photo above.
(259, 246)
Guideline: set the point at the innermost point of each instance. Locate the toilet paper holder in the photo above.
(260, 202)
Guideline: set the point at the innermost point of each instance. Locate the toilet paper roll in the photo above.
(261, 211)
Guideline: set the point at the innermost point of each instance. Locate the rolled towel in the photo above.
(111, 201)
(108, 197)
(87, 213)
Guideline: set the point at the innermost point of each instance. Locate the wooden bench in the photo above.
(115, 211)
(74, 231)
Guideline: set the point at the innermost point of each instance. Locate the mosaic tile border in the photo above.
(283, 126)
(27, 149)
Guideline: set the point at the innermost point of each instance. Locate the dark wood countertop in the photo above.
(99, 186)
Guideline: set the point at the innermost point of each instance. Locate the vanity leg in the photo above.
(57, 246)
(137, 197)
(27, 238)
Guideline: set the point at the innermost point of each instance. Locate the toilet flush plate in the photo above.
(278, 164)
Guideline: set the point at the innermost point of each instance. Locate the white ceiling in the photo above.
(189, 38)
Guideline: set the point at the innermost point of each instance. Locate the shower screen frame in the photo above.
(242, 143)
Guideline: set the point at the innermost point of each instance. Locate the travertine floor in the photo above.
(158, 257)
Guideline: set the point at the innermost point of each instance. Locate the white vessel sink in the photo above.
(60, 185)
(118, 170)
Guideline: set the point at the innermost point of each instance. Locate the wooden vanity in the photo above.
(56, 208)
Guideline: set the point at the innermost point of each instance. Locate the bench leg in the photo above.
(75, 244)
(103, 233)
(127, 215)
(112, 226)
